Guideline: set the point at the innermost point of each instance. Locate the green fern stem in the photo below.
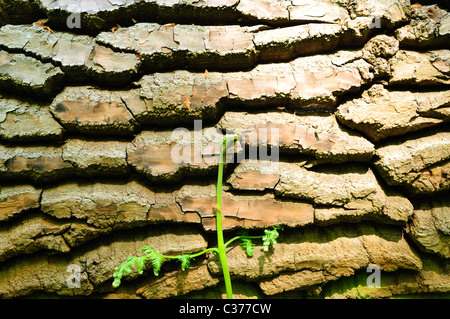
(192, 256)
(240, 238)
(220, 242)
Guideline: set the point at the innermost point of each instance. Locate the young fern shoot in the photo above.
(156, 259)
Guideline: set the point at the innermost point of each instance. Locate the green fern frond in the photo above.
(246, 243)
(248, 246)
(140, 264)
(138, 261)
(157, 260)
(270, 237)
(124, 269)
(146, 250)
(185, 261)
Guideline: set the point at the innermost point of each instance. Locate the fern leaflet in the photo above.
(247, 244)
(185, 261)
(270, 237)
(157, 261)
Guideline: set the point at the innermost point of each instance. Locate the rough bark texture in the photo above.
(111, 117)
